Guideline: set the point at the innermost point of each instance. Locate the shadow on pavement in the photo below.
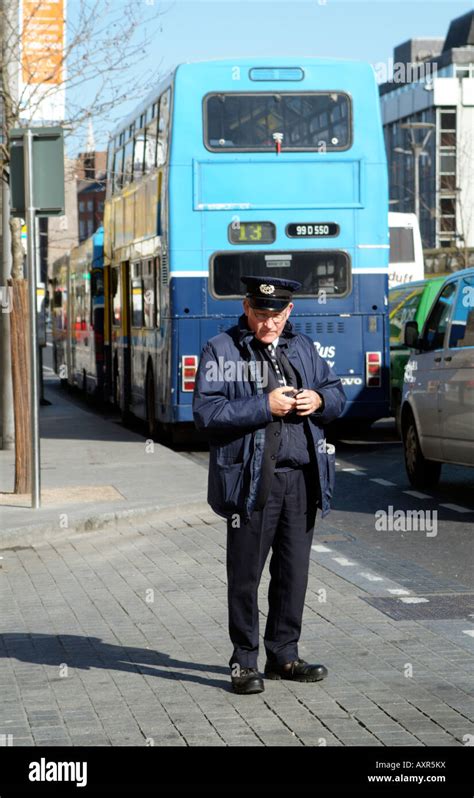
(77, 651)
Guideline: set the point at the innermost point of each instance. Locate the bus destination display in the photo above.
(310, 230)
(252, 233)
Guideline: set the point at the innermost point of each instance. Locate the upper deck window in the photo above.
(163, 128)
(318, 121)
(146, 150)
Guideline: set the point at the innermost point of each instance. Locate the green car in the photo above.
(407, 302)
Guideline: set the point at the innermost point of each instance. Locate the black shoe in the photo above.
(296, 671)
(248, 681)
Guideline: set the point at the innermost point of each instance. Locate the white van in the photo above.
(437, 413)
(406, 253)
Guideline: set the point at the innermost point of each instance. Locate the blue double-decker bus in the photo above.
(78, 316)
(254, 166)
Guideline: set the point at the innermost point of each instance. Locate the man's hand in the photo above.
(307, 402)
(281, 405)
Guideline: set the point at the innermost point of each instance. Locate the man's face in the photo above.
(267, 324)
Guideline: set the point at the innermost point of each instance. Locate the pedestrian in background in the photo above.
(270, 469)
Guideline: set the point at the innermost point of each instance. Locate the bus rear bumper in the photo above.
(359, 411)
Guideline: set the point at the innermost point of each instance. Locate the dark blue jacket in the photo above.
(235, 410)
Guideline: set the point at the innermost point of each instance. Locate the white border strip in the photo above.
(206, 273)
(378, 270)
(189, 274)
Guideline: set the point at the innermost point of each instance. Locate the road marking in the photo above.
(469, 632)
(354, 471)
(380, 481)
(343, 561)
(398, 591)
(371, 577)
(457, 508)
(414, 600)
(417, 494)
(320, 547)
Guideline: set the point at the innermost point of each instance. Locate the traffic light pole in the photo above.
(30, 211)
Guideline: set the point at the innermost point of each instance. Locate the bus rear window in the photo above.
(301, 121)
(402, 249)
(316, 271)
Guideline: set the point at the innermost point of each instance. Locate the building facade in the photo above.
(61, 231)
(91, 174)
(430, 101)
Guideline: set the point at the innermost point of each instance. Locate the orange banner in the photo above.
(42, 41)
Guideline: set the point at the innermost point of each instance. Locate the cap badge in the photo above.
(267, 289)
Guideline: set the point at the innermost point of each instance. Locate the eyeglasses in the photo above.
(275, 317)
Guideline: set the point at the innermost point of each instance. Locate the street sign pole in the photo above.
(31, 261)
(36, 190)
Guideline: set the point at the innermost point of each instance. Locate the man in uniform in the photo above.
(263, 394)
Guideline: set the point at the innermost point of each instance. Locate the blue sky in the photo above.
(198, 29)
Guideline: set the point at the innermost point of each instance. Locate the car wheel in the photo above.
(421, 472)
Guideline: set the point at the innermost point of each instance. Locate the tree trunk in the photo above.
(19, 319)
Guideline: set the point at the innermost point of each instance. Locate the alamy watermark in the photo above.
(403, 73)
(468, 296)
(237, 371)
(44, 770)
(391, 520)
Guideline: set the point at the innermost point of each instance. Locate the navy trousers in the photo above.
(286, 525)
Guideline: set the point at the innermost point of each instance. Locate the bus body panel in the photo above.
(60, 317)
(209, 191)
(78, 328)
(181, 215)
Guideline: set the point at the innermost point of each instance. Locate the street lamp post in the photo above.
(417, 150)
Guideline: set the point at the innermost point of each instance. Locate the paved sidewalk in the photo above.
(119, 637)
(94, 472)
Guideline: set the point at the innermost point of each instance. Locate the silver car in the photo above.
(437, 413)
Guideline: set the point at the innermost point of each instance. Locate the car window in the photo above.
(462, 325)
(403, 306)
(435, 328)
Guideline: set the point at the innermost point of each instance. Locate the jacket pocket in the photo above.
(230, 453)
(229, 487)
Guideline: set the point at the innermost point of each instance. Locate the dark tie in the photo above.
(276, 362)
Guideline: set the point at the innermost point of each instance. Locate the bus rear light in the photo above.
(373, 369)
(188, 372)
